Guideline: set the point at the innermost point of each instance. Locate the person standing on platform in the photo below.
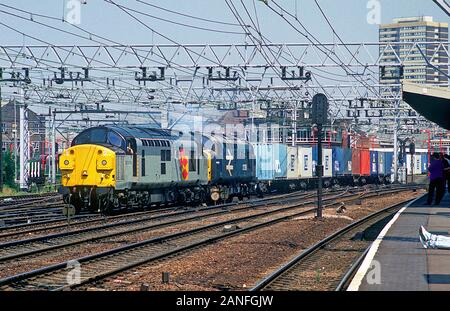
(436, 170)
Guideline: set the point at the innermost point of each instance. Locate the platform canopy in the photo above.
(431, 102)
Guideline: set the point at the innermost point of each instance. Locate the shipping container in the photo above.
(381, 161)
(264, 161)
(356, 161)
(417, 164)
(424, 157)
(389, 163)
(327, 155)
(271, 161)
(374, 160)
(327, 162)
(305, 162)
(347, 161)
(280, 161)
(365, 162)
(338, 161)
(361, 162)
(292, 161)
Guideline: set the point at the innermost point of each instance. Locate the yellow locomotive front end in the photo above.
(88, 174)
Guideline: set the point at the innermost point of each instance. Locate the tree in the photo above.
(8, 169)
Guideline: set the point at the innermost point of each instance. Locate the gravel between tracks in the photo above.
(239, 262)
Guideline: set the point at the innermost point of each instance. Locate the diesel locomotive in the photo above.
(112, 167)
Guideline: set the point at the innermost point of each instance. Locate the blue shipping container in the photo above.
(381, 161)
(338, 161)
(264, 161)
(388, 163)
(280, 160)
(424, 163)
(347, 161)
(374, 163)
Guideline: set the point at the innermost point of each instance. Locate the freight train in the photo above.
(117, 167)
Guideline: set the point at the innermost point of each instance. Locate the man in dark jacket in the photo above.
(436, 170)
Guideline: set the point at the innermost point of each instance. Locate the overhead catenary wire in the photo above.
(264, 40)
(187, 15)
(77, 27)
(178, 23)
(64, 31)
(259, 41)
(308, 35)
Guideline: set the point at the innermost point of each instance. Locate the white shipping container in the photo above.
(327, 162)
(305, 162)
(417, 164)
(292, 163)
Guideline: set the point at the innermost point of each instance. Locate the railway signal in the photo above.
(319, 117)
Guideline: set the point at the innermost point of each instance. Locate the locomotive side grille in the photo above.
(120, 169)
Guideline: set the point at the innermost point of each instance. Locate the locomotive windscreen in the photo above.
(102, 136)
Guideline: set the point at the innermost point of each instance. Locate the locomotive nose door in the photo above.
(132, 150)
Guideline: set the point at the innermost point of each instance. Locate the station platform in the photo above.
(398, 262)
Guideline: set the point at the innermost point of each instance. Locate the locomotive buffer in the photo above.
(319, 117)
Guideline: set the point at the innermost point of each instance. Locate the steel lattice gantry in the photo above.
(214, 73)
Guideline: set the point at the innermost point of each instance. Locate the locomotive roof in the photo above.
(142, 132)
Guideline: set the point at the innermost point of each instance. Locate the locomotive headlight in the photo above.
(66, 162)
(104, 162)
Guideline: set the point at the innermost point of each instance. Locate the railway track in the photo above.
(20, 248)
(109, 262)
(33, 226)
(20, 222)
(330, 264)
(80, 221)
(16, 199)
(29, 209)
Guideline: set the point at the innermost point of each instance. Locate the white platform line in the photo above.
(362, 271)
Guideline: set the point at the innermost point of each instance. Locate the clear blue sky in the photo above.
(348, 17)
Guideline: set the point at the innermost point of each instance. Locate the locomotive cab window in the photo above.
(98, 135)
(91, 136)
(115, 140)
(131, 149)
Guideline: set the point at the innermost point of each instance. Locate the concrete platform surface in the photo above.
(400, 263)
